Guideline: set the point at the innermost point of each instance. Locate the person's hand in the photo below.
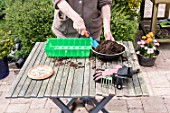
(108, 35)
(79, 25)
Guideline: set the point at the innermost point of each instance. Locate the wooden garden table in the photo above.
(71, 82)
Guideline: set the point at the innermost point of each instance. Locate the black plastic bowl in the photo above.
(109, 57)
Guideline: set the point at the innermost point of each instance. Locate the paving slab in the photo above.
(20, 108)
(161, 91)
(43, 110)
(20, 101)
(54, 110)
(117, 105)
(1, 93)
(50, 104)
(158, 80)
(9, 79)
(134, 103)
(136, 111)
(38, 103)
(167, 100)
(3, 104)
(154, 105)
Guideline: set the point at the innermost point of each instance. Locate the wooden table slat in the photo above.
(46, 81)
(23, 79)
(135, 77)
(64, 79)
(19, 76)
(98, 84)
(118, 92)
(51, 81)
(38, 82)
(57, 81)
(30, 86)
(86, 83)
(78, 80)
(69, 84)
(143, 85)
(130, 86)
(105, 88)
(143, 88)
(92, 87)
(125, 82)
(27, 84)
(112, 89)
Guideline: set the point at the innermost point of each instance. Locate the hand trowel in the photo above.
(94, 43)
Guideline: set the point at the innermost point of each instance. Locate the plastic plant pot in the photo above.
(4, 69)
(16, 40)
(20, 62)
(17, 46)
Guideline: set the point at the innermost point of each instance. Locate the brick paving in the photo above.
(157, 79)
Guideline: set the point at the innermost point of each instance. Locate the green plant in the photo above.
(5, 43)
(2, 8)
(122, 27)
(31, 21)
(147, 46)
(130, 7)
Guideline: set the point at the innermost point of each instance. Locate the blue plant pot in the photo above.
(4, 69)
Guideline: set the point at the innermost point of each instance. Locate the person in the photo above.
(72, 18)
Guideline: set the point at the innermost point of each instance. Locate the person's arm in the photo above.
(106, 13)
(78, 22)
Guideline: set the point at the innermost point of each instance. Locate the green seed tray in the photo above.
(67, 47)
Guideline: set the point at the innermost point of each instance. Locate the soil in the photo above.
(109, 47)
(66, 61)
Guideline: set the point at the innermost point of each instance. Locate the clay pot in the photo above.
(4, 69)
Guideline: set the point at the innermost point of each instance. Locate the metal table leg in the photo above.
(70, 101)
(97, 103)
(101, 104)
(62, 106)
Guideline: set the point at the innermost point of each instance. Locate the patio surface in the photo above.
(157, 79)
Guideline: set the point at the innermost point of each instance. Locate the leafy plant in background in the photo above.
(30, 21)
(5, 43)
(2, 8)
(122, 27)
(3, 5)
(130, 7)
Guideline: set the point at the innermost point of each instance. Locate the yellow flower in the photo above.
(148, 36)
(151, 34)
(144, 37)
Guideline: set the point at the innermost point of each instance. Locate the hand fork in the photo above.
(106, 81)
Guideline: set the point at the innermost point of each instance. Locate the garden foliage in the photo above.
(2, 8)
(130, 7)
(5, 43)
(30, 21)
(122, 26)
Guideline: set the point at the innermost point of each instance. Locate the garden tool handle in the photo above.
(118, 82)
(135, 71)
(87, 34)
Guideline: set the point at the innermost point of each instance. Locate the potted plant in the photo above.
(5, 47)
(147, 50)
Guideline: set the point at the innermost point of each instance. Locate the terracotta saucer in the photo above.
(40, 72)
